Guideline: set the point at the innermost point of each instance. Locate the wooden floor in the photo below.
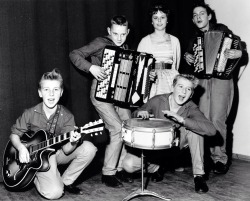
(179, 186)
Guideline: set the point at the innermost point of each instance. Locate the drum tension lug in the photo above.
(153, 140)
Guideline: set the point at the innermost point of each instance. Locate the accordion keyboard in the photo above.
(222, 59)
(107, 64)
(127, 81)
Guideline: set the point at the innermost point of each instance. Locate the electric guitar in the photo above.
(18, 175)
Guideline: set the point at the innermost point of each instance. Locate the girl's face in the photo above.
(159, 21)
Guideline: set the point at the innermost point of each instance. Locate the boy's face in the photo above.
(50, 92)
(118, 34)
(182, 91)
(201, 18)
(159, 21)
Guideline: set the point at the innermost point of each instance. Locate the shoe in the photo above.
(158, 175)
(111, 181)
(73, 189)
(124, 176)
(220, 168)
(200, 184)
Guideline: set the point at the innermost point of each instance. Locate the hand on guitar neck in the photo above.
(20, 163)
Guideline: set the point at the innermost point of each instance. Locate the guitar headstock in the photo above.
(93, 124)
(93, 128)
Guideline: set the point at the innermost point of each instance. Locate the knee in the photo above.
(128, 165)
(53, 193)
(88, 149)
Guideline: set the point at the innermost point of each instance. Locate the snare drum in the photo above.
(148, 134)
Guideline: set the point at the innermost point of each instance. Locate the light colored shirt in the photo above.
(168, 51)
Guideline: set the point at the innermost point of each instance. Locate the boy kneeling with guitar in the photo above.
(34, 157)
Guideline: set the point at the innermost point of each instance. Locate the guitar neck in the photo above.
(86, 130)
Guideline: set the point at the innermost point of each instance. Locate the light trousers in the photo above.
(216, 103)
(50, 184)
(113, 117)
(132, 163)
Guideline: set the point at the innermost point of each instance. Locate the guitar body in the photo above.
(18, 175)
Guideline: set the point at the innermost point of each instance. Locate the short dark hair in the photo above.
(209, 10)
(53, 75)
(158, 7)
(189, 77)
(119, 20)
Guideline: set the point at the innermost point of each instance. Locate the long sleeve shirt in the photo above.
(195, 121)
(34, 119)
(93, 51)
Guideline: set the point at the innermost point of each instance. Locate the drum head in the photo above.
(147, 125)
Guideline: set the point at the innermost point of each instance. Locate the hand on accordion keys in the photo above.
(98, 72)
(174, 116)
(232, 53)
(152, 75)
(189, 58)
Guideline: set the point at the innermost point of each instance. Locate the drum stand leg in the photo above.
(142, 191)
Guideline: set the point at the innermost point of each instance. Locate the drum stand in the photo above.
(142, 191)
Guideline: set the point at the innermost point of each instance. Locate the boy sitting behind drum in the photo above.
(192, 124)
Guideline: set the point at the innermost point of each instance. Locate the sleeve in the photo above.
(190, 45)
(224, 28)
(143, 46)
(177, 53)
(198, 123)
(79, 56)
(146, 107)
(68, 123)
(22, 124)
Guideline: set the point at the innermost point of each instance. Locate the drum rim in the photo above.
(159, 147)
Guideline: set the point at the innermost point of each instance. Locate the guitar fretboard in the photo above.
(60, 138)
(50, 142)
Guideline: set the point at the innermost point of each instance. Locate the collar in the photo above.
(165, 99)
(211, 28)
(123, 46)
(39, 108)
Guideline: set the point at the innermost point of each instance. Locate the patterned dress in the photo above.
(167, 55)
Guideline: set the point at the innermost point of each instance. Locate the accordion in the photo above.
(210, 60)
(127, 83)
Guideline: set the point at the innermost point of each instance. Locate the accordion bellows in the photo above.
(127, 83)
(210, 60)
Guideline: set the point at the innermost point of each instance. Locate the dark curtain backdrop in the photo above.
(37, 36)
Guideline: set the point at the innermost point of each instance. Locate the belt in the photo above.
(162, 65)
